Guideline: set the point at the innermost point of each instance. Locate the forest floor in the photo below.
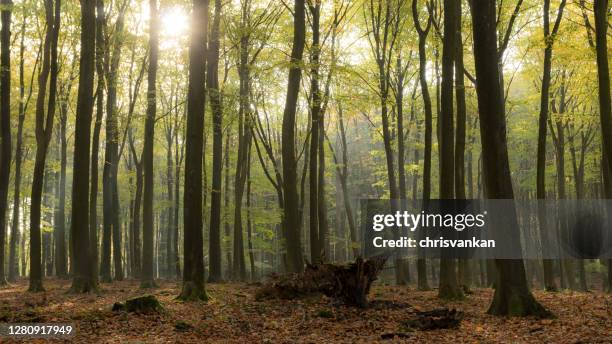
(233, 316)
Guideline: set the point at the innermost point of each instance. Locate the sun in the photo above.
(174, 22)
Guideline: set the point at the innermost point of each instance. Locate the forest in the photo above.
(195, 170)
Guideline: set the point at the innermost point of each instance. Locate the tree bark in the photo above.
(315, 108)
(549, 280)
(423, 32)
(84, 278)
(512, 295)
(14, 253)
(291, 225)
(111, 158)
(147, 274)
(44, 129)
(449, 285)
(193, 244)
(5, 124)
(216, 104)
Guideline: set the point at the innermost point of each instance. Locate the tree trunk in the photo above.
(423, 32)
(512, 295)
(464, 268)
(60, 215)
(449, 286)
(101, 48)
(84, 277)
(216, 104)
(44, 128)
(193, 244)
(291, 219)
(5, 124)
(249, 219)
(147, 275)
(315, 108)
(226, 203)
(14, 253)
(549, 281)
(111, 159)
(601, 10)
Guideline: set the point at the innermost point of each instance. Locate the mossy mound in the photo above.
(142, 304)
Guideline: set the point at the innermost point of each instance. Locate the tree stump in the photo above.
(347, 283)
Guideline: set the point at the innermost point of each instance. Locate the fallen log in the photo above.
(346, 283)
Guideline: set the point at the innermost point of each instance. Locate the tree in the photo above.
(449, 286)
(84, 278)
(5, 124)
(44, 130)
(147, 277)
(512, 295)
(23, 106)
(315, 108)
(291, 223)
(61, 261)
(423, 32)
(216, 104)
(111, 152)
(549, 282)
(601, 9)
(193, 273)
(385, 21)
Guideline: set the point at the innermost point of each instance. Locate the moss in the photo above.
(143, 304)
(324, 313)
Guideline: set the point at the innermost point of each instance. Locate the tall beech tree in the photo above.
(291, 219)
(45, 113)
(111, 222)
(602, 10)
(5, 124)
(14, 252)
(193, 273)
(216, 105)
(147, 275)
(512, 295)
(423, 33)
(549, 38)
(449, 286)
(84, 271)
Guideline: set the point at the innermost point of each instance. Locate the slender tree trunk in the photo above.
(321, 203)
(423, 32)
(193, 244)
(178, 159)
(226, 204)
(60, 216)
(101, 48)
(449, 285)
(465, 272)
(111, 158)
(315, 108)
(84, 276)
(215, 273)
(549, 281)
(14, 253)
(249, 219)
(291, 219)
(147, 274)
(5, 124)
(44, 128)
(601, 10)
(512, 295)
